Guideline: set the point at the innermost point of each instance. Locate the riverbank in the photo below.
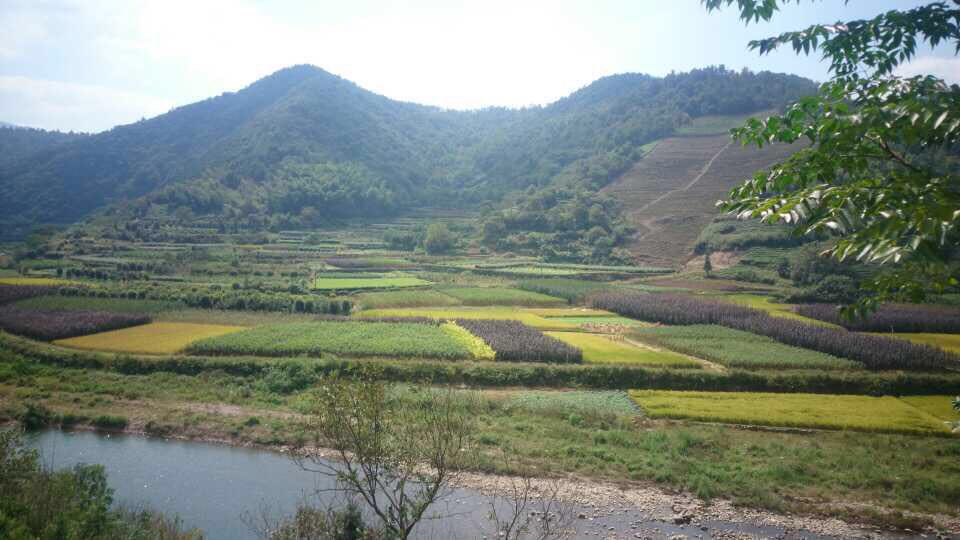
(800, 479)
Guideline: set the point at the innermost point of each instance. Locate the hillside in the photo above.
(303, 146)
(670, 195)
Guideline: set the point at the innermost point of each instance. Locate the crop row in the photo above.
(892, 318)
(874, 352)
(13, 293)
(50, 325)
(571, 289)
(347, 338)
(514, 341)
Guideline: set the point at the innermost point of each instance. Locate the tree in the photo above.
(707, 265)
(397, 458)
(880, 172)
(439, 239)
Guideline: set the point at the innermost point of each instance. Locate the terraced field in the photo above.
(865, 413)
(153, 338)
(670, 194)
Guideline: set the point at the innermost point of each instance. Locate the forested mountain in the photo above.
(17, 142)
(303, 146)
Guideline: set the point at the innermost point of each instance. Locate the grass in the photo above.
(948, 342)
(602, 349)
(526, 317)
(737, 349)
(36, 281)
(349, 284)
(765, 303)
(153, 338)
(497, 296)
(346, 338)
(404, 299)
(574, 401)
(862, 413)
(114, 305)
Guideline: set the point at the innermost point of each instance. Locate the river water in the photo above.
(212, 487)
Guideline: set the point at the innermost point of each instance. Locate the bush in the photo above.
(110, 422)
(892, 318)
(830, 289)
(36, 416)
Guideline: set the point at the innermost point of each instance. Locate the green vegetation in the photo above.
(532, 318)
(594, 403)
(114, 305)
(947, 342)
(347, 338)
(765, 303)
(494, 296)
(405, 299)
(603, 349)
(349, 284)
(881, 414)
(571, 289)
(478, 348)
(734, 348)
(895, 124)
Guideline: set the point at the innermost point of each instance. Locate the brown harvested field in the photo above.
(670, 194)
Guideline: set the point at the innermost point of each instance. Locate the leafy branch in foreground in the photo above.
(398, 458)
(880, 172)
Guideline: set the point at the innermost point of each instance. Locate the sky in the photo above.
(89, 65)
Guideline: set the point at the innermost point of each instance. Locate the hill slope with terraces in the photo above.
(670, 195)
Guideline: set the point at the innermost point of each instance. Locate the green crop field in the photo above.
(478, 348)
(883, 414)
(602, 349)
(153, 338)
(349, 284)
(601, 320)
(602, 403)
(733, 348)
(54, 282)
(497, 296)
(346, 338)
(938, 406)
(405, 299)
(529, 317)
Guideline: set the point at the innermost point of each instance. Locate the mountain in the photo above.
(303, 146)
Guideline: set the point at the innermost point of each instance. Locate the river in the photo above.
(212, 487)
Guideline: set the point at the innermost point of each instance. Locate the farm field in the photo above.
(495, 296)
(75, 303)
(881, 414)
(764, 303)
(405, 299)
(602, 349)
(43, 281)
(734, 348)
(947, 342)
(536, 319)
(152, 338)
(347, 338)
(345, 284)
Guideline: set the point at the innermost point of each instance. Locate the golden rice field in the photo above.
(531, 317)
(153, 338)
(949, 342)
(604, 349)
(52, 282)
(862, 413)
(478, 348)
(938, 406)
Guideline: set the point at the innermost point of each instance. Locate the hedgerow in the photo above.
(13, 293)
(50, 325)
(874, 352)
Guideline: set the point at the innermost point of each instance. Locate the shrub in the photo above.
(110, 422)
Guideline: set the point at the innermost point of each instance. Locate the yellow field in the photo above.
(864, 413)
(603, 349)
(949, 342)
(528, 317)
(153, 338)
(938, 406)
(764, 303)
(477, 347)
(35, 281)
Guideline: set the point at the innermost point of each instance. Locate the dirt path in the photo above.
(692, 183)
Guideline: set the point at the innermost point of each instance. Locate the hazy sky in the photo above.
(92, 64)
